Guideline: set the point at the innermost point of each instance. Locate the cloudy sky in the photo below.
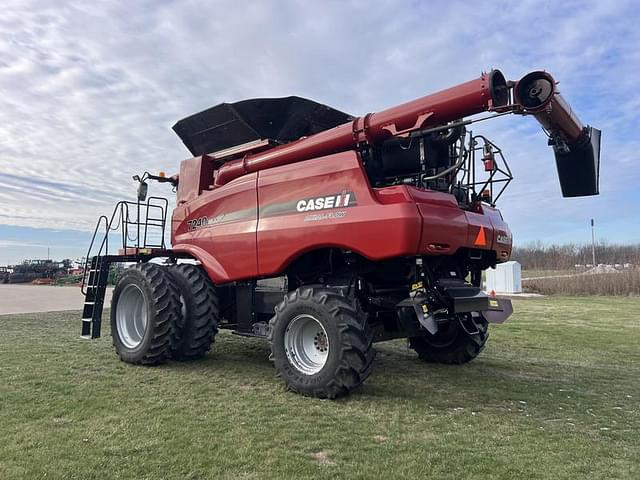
(89, 91)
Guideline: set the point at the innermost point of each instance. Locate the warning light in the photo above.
(488, 159)
(162, 174)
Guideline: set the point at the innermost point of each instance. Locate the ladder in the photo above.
(96, 288)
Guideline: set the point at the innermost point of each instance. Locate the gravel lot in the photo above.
(41, 298)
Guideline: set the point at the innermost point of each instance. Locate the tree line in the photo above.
(538, 256)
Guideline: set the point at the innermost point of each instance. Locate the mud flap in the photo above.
(421, 308)
(499, 310)
(425, 318)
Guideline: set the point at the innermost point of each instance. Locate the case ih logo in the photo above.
(503, 239)
(338, 200)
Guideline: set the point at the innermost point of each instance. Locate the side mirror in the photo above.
(142, 191)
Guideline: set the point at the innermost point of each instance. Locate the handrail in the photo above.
(163, 217)
(86, 260)
(121, 217)
(122, 205)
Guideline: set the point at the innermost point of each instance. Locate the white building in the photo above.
(505, 278)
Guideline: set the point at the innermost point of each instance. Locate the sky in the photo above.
(89, 92)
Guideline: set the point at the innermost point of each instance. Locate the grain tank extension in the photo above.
(325, 233)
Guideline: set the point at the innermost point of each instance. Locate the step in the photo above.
(86, 328)
(95, 285)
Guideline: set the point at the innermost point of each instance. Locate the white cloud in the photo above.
(89, 90)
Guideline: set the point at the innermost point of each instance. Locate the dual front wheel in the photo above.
(159, 313)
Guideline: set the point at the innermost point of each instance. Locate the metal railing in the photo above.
(497, 174)
(134, 231)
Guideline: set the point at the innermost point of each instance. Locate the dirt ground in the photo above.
(41, 298)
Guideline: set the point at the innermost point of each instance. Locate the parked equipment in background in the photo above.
(325, 233)
(42, 271)
(5, 273)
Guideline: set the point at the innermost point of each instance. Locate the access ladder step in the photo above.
(94, 299)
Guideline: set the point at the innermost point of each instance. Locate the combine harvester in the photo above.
(325, 233)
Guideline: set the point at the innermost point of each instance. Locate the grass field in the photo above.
(555, 395)
(624, 283)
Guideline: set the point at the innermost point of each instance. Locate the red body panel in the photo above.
(196, 175)
(256, 225)
(284, 233)
(226, 245)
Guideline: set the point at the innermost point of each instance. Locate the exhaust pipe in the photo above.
(576, 147)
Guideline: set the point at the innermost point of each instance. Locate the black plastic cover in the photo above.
(463, 296)
(579, 168)
(281, 120)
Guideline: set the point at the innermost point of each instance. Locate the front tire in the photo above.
(452, 344)
(198, 321)
(144, 309)
(321, 344)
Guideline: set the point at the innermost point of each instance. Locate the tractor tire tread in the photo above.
(463, 350)
(166, 302)
(195, 335)
(356, 353)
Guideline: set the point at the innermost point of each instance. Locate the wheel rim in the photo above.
(131, 316)
(306, 344)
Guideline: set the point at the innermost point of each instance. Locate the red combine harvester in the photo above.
(325, 233)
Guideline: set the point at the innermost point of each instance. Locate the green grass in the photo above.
(554, 395)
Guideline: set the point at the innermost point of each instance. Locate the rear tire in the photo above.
(321, 344)
(144, 308)
(452, 345)
(198, 322)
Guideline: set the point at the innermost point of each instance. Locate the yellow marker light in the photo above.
(162, 174)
